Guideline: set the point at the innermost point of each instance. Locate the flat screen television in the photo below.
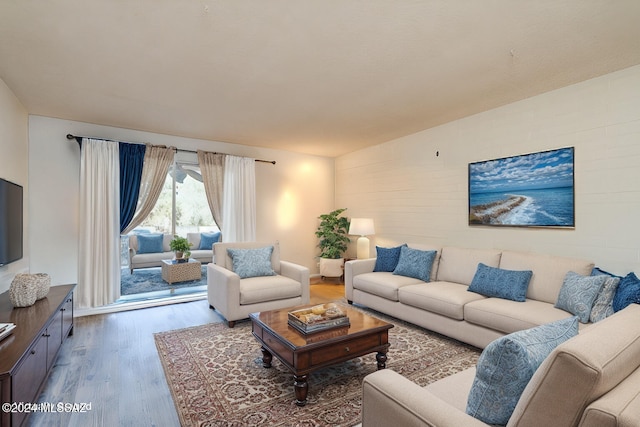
(10, 222)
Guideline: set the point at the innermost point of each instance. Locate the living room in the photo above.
(413, 184)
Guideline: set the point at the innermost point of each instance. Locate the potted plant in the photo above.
(181, 247)
(334, 239)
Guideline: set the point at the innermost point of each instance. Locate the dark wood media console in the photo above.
(27, 355)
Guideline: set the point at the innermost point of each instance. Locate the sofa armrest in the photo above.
(298, 273)
(352, 269)
(390, 399)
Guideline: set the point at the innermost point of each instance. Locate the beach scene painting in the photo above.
(533, 190)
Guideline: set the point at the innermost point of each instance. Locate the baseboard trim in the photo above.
(135, 305)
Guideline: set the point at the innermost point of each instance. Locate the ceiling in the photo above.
(323, 77)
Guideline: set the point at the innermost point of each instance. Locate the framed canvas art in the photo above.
(529, 190)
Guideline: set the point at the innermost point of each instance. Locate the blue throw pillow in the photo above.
(501, 283)
(628, 292)
(252, 262)
(507, 364)
(578, 294)
(603, 305)
(150, 243)
(415, 263)
(387, 258)
(208, 239)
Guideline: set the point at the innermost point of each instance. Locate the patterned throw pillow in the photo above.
(578, 293)
(208, 239)
(150, 243)
(252, 262)
(603, 306)
(387, 258)
(507, 364)
(415, 263)
(628, 292)
(501, 283)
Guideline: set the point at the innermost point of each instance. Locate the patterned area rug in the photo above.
(150, 280)
(216, 377)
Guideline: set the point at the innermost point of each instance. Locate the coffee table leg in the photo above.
(266, 358)
(301, 388)
(382, 360)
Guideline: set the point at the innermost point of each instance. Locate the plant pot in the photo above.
(331, 267)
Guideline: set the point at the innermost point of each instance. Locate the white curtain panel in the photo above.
(239, 200)
(99, 242)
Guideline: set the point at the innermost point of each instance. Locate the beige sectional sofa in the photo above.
(444, 304)
(591, 380)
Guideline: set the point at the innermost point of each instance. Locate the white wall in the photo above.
(14, 167)
(290, 194)
(415, 195)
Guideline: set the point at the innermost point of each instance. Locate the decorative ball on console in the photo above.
(27, 288)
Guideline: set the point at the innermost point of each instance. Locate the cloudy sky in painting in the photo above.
(549, 169)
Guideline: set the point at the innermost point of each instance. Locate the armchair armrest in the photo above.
(223, 287)
(388, 398)
(352, 269)
(299, 274)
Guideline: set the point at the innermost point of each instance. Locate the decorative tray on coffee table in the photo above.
(318, 318)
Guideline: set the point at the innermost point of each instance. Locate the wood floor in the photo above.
(111, 363)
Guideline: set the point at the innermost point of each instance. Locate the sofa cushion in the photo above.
(208, 239)
(222, 258)
(578, 293)
(387, 258)
(252, 262)
(581, 370)
(459, 265)
(454, 389)
(506, 366)
(436, 260)
(383, 284)
(268, 288)
(150, 243)
(445, 298)
(628, 292)
(548, 272)
(415, 263)
(603, 305)
(501, 283)
(508, 316)
(618, 408)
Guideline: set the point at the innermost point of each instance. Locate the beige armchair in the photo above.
(235, 297)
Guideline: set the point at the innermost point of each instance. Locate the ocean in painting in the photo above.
(545, 207)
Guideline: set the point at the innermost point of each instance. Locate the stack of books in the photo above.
(6, 329)
(317, 318)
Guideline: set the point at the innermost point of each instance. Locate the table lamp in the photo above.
(362, 227)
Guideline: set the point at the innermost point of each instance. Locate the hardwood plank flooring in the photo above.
(112, 363)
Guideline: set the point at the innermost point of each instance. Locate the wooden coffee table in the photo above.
(303, 354)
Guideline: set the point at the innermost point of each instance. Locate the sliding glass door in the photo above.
(182, 207)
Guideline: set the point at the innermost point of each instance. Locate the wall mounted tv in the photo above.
(10, 222)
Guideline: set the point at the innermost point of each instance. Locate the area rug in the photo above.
(216, 376)
(150, 280)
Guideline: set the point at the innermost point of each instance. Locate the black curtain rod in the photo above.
(79, 140)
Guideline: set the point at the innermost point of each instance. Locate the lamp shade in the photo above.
(361, 227)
